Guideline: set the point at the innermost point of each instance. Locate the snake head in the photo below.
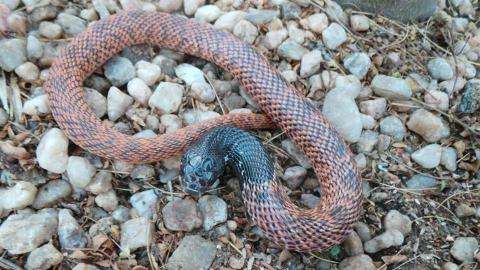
(199, 172)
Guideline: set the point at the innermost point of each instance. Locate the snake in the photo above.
(267, 202)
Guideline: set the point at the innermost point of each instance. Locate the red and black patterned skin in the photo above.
(282, 221)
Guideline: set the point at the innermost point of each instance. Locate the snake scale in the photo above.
(267, 203)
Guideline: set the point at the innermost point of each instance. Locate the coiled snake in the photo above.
(281, 220)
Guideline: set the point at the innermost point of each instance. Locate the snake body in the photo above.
(281, 220)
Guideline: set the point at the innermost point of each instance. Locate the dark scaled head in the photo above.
(200, 169)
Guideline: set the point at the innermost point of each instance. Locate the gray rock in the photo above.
(121, 214)
(470, 101)
(246, 31)
(192, 253)
(449, 158)
(50, 30)
(290, 11)
(359, 262)
(101, 183)
(367, 121)
(96, 101)
(51, 192)
(213, 209)
(70, 234)
(310, 63)
(119, 70)
(429, 156)
(273, 39)
(393, 126)
(391, 87)
(13, 53)
(375, 107)
(43, 258)
(358, 64)
(334, 36)
(420, 182)
(296, 153)
(309, 200)
(228, 20)
(390, 238)
(182, 215)
(167, 97)
(464, 210)
(394, 220)
(21, 195)
(440, 69)
(464, 248)
(22, 233)
(72, 25)
(353, 245)
(137, 233)
(143, 172)
(102, 226)
(261, 16)
(207, 13)
(359, 23)
(294, 176)
(367, 142)
(3, 117)
(317, 22)
(146, 203)
(292, 50)
(449, 266)
(117, 103)
(363, 231)
(107, 200)
(431, 127)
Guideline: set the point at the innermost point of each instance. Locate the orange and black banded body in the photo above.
(282, 221)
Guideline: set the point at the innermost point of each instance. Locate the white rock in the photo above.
(169, 5)
(429, 156)
(208, 13)
(148, 72)
(395, 220)
(359, 23)
(317, 22)
(310, 63)
(431, 127)
(341, 110)
(203, 92)
(117, 103)
(440, 69)
(334, 36)
(167, 98)
(171, 122)
(80, 171)
(228, 20)
(351, 83)
(137, 233)
(246, 31)
(190, 6)
(367, 121)
(393, 126)
(70, 234)
(52, 151)
(96, 101)
(290, 49)
(72, 25)
(119, 70)
(358, 64)
(189, 74)
(139, 90)
(375, 107)
(13, 53)
(449, 158)
(34, 48)
(296, 34)
(437, 99)
(51, 192)
(273, 39)
(37, 106)
(50, 30)
(146, 203)
(194, 116)
(101, 183)
(107, 200)
(27, 71)
(17, 197)
(391, 87)
(390, 238)
(213, 209)
(44, 258)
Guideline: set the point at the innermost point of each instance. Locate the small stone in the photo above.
(167, 98)
(22, 233)
(72, 25)
(101, 183)
(359, 23)
(171, 122)
(363, 231)
(449, 158)
(261, 16)
(291, 49)
(11, 4)
(121, 214)
(342, 111)
(89, 14)
(37, 106)
(50, 30)
(440, 69)
(27, 71)
(353, 245)
(317, 22)
(470, 101)
(358, 64)
(464, 248)
(334, 36)
(392, 60)
(367, 121)
(34, 48)
(361, 161)
(429, 156)
(246, 31)
(84, 266)
(464, 210)
(390, 238)
(290, 11)
(101, 226)
(146, 203)
(147, 72)
(208, 13)
(189, 74)
(236, 262)
(169, 5)
(143, 172)
(394, 220)
(96, 101)
(296, 153)
(51, 192)
(192, 253)
(393, 126)
(79, 171)
(117, 103)
(43, 258)
(449, 266)
(294, 176)
(310, 63)
(437, 99)
(194, 116)
(359, 262)
(203, 92)
(391, 87)
(296, 34)
(367, 142)
(119, 70)
(420, 182)
(13, 53)
(21, 195)
(139, 90)
(190, 6)
(107, 200)
(213, 209)
(431, 127)
(70, 234)
(227, 21)
(375, 107)
(52, 151)
(273, 39)
(137, 233)
(309, 200)
(182, 215)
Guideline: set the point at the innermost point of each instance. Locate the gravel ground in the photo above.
(405, 97)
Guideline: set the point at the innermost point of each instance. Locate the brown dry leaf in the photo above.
(99, 240)
(394, 259)
(139, 267)
(471, 167)
(14, 152)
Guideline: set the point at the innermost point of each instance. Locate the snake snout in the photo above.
(198, 173)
